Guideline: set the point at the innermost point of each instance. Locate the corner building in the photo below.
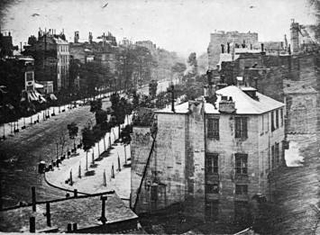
(213, 157)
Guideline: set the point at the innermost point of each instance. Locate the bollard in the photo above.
(75, 191)
(71, 183)
(34, 202)
(32, 224)
(104, 178)
(119, 166)
(79, 170)
(112, 171)
(92, 158)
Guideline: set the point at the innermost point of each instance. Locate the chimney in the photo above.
(76, 36)
(226, 105)
(48, 214)
(222, 48)
(228, 47)
(90, 38)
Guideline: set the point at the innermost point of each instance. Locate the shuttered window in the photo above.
(241, 127)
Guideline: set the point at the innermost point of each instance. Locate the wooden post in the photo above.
(48, 215)
(34, 201)
(32, 224)
(104, 178)
(69, 228)
(86, 160)
(119, 166)
(112, 171)
(104, 144)
(71, 183)
(92, 157)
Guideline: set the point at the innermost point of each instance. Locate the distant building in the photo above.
(302, 38)
(6, 46)
(149, 45)
(213, 157)
(103, 52)
(52, 58)
(227, 39)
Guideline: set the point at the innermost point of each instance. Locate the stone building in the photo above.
(219, 38)
(212, 157)
(52, 58)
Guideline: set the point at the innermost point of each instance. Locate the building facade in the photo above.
(213, 157)
(52, 58)
(219, 38)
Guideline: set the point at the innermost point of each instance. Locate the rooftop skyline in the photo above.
(181, 26)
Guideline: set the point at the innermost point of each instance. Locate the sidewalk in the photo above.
(94, 183)
(89, 177)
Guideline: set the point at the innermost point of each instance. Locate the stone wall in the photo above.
(216, 39)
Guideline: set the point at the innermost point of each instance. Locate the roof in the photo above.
(85, 211)
(227, 57)
(244, 104)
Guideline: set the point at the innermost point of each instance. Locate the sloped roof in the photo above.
(244, 104)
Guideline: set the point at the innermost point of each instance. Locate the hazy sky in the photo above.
(176, 25)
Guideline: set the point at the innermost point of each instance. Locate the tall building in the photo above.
(219, 38)
(52, 58)
(214, 157)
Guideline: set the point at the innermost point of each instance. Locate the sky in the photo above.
(183, 26)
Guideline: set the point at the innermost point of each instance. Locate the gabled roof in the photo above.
(244, 104)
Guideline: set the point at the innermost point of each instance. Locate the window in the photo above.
(213, 128)
(212, 188)
(272, 121)
(211, 163)
(241, 189)
(212, 210)
(241, 163)
(241, 127)
(281, 116)
(277, 119)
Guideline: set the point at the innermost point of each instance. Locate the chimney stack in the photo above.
(90, 38)
(222, 48)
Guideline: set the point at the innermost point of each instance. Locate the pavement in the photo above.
(95, 176)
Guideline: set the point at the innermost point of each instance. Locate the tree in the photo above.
(73, 132)
(192, 61)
